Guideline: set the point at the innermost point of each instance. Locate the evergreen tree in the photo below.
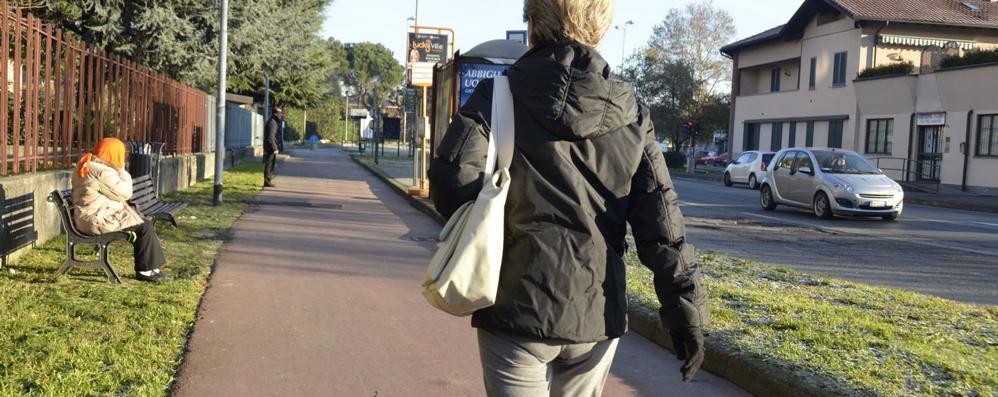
(374, 72)
(180, 39)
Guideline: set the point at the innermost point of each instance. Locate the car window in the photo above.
(766, 158)
(786, 161)
(752, 157)
(804, 160)
(844, 163)
(743, 158)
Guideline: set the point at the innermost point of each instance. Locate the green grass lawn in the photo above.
(857, 339)
(79, 335)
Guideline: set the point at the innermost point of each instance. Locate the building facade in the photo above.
(797, 85)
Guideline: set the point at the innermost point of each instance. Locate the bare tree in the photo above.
(693, 36)
(680, 73)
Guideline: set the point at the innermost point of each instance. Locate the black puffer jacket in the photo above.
(586, 164)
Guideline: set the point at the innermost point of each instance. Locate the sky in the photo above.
(477, 21)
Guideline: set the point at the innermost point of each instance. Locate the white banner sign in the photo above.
(930, 119)
(422, 74)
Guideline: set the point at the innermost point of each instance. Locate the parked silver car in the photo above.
(749, 167)
(830, 182)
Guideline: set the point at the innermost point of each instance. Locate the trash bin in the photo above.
(140, 159)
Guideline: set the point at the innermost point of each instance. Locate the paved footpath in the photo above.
(318, 294)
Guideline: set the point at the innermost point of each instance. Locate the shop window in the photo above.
(987, 135)
(879, 135)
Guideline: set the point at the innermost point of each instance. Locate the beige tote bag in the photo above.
(463, 275)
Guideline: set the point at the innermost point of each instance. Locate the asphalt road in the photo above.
(943, 252)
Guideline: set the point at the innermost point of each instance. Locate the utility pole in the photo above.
(223, 48)
(266, 96)
(346, 114)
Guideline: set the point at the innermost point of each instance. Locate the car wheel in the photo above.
(727, 179)
(822, 207)
(891, 217)
(752, 183)
(766, 198)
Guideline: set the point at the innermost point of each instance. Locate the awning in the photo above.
(924, 41)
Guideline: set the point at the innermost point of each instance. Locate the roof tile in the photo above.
(946, 12)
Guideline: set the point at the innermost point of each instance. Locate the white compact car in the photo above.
(830, 182)
(749, 167)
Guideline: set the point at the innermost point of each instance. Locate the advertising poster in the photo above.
(472, 74)
(425, 47)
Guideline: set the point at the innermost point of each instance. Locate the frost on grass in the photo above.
(851, 338)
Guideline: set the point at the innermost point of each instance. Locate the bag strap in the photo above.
(502, 128)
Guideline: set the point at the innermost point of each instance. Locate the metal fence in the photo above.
(62, 96)
(243, 128)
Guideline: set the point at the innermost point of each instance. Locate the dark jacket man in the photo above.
(273, 137)
(586, 164)
(273, 143)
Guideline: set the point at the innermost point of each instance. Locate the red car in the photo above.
(720, 160)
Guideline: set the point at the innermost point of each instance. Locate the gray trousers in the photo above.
(516, 366)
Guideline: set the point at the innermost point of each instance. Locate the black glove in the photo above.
(688, 343)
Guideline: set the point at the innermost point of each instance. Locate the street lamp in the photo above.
(623, 44)
(415, 19)
(346, 90)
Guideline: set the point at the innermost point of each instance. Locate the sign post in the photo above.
(424, 52)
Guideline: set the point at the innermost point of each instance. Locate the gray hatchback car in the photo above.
(830, 182)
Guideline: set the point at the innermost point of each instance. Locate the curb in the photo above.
(421, 204)
(944, 204)
(755, 375)
(700, 177)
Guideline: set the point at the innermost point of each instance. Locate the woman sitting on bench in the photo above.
(101, 189)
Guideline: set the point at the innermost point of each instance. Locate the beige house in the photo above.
(797, 85)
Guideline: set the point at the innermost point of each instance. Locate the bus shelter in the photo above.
(455, 81)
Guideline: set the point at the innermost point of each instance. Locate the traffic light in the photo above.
(691, 127)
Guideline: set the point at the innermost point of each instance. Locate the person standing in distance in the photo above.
(585, 166)
(272, 145)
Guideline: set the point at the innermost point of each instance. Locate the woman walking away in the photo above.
(101, 189)
(585, 164)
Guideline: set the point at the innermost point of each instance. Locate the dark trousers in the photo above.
(269, 160)
(148, 252)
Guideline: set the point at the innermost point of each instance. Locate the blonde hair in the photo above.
(568, 21)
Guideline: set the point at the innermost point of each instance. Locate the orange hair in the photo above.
(110, 150)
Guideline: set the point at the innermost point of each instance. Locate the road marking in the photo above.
(690, 204)
(955, 223)
(906, 240)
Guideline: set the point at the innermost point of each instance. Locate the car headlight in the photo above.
(845, 187)
(897, 187)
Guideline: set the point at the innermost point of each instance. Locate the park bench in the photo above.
(64, 200)
(144, 198)
(17, 224)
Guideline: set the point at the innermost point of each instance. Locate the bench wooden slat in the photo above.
(144, 197)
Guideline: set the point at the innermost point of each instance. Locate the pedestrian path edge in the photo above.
(754, 374)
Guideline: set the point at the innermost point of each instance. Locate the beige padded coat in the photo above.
(100, 200)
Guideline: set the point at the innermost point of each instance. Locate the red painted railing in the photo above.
(63, 95)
